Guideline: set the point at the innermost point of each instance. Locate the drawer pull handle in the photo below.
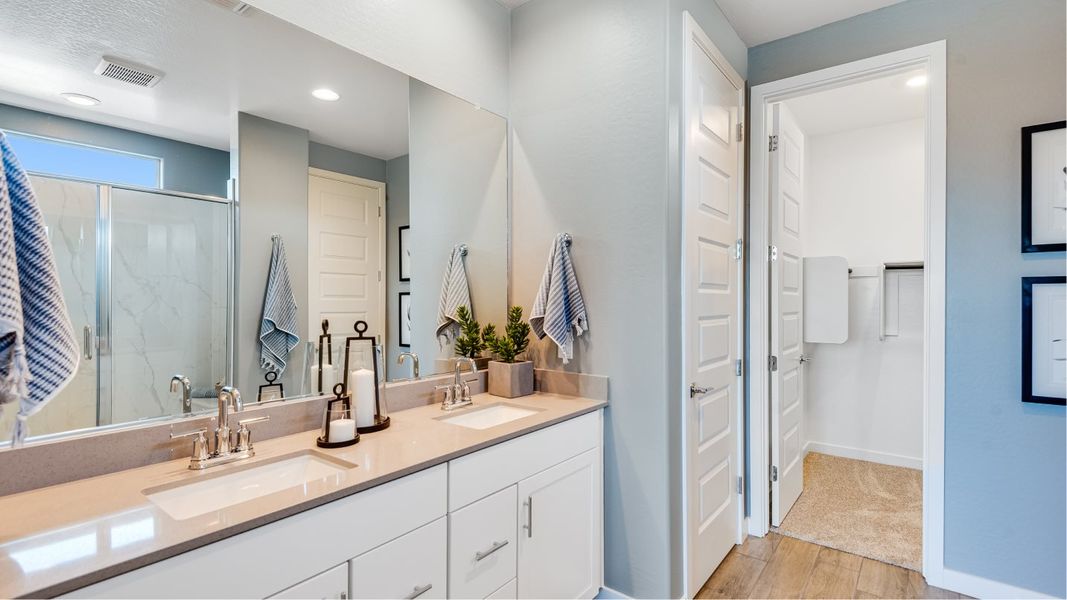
(485, 553)
(529, 517)
(419, 590)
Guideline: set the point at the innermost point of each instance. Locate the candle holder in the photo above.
(381, 417)
(338, 415)
(328, 346)
(271, 390)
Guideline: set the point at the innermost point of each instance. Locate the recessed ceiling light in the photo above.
(80, 99)
(917, 81)
(326, 94)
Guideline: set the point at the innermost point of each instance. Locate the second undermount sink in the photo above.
(489, 416)
(242, 484)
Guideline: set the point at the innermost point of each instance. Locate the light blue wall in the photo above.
(595, 88)
(337, 160)
(186, 167)
(396, 215)
(1004, 460)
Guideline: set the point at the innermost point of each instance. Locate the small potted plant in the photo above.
(472, 340)
(507, 378)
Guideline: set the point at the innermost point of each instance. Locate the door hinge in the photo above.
(774, 474)
(737, 367)
(740, 486)
(739, 249)
(773, 145)
(379, 276)
(772, 363)
(772, 253)
(740, 132)
(379, 212)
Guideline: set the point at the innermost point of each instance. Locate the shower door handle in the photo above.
(87, 342)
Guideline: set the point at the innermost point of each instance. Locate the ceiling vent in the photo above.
(129, 72)
(235, 6)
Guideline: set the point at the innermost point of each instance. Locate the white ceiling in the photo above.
(867, 104)
(761, 21)
(216, 63)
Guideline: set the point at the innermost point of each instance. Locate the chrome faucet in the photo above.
(181, 381)
(414, 363)
(223, 452)
(228, 396)
(458, 394)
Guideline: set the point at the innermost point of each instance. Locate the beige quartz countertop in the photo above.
(57, 539)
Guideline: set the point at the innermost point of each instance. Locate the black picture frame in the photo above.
(403, 333)
(1028, 339)
(404, 265)
(1028, 245)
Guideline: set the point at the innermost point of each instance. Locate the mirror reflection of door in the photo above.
(346, 233)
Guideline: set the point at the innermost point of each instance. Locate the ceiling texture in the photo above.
(215, 63)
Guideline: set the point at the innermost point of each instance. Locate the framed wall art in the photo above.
(1044, 329)
(405, 319)
(404, 237)
(1044, 187)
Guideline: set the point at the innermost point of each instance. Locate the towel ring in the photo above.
(463, 249)
(567, 239)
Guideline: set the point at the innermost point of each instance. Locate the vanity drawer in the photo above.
(411, 566)
(477, 475)
(508, 591)
(331, 585)
(482, 544)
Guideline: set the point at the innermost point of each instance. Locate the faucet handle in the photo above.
(244, 434)
(199, 442)
(449, 391)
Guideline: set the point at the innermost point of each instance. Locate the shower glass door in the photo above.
(168, 301)
(146, 276)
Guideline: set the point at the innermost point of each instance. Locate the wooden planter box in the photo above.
(511, 380)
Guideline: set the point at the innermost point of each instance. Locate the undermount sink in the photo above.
(488, 416)
(234, 486)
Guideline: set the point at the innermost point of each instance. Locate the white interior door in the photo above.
(787, 389)
(345, 255)
(711, 305)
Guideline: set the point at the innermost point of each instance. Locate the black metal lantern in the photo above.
(381, 418)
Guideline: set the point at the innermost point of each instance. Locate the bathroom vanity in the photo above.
(502, 504)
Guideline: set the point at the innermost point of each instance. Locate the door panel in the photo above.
(559, 538)
(345, 255)
(787, 390)
(712, 314)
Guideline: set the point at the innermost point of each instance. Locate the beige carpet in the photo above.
(860, 507)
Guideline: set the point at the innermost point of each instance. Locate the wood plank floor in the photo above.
(783, 567)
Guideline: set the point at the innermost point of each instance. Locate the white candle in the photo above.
(342, 430)
(363, 387)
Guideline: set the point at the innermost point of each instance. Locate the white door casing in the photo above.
(787, 317)
(711, 300)
(346, 253)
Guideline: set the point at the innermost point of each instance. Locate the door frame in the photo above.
(932, 56)
(383, 282)
(694, 34)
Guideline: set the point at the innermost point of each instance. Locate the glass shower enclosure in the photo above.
(147, 277)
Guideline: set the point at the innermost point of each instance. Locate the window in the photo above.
(69, 159)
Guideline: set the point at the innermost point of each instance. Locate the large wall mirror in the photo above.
(174, 150)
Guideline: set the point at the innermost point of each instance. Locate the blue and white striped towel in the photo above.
(38, 352)
(455, 292)
(558, 308)
(278, 331)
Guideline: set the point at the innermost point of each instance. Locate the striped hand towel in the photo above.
(38, 352)
(278, 329)
(454, 293)
(558, 306)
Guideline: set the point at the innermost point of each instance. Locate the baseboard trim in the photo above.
(980, 587)
(883, 458)
(607, 593)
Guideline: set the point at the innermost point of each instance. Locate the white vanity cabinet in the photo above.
(519, 519)
(331, 585)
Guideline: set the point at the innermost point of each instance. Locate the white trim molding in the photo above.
(932, 58)
(882, 458)
(980, 587)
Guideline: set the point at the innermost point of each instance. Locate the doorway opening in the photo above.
(847, 196)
